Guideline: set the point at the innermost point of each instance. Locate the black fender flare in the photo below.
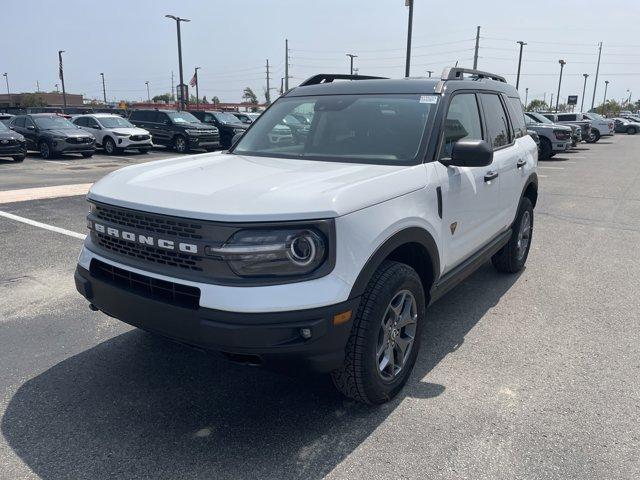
(532, 180)
(408, 235)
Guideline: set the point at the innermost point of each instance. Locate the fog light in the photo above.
(305, 333)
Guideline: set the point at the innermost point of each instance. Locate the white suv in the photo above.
(324, 250)
(114, 133)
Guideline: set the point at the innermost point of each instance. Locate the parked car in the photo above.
(624, 125)
(114, 133)
(633, 118)
(536, 139)
(176, 129)
(589, 134)
(604, 126)
(52, 135)
(243, 117)
(322, 253)
(12, 144)
(228, 125)
(5, 118)
(553, 138)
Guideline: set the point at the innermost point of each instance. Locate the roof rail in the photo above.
(330, 77)
(457, 73)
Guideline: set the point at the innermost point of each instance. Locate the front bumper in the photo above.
(204, 141)
(561, 146)
(273, 338)
(124, 142)
(9, 150)
(60, 146)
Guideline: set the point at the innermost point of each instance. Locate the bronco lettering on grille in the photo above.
(144, 239)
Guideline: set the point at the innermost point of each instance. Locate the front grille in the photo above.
(77, 140)
(149, 222)
(149, 254)
(161, 290)
(208, 138)
(139, 138)
(9, 142)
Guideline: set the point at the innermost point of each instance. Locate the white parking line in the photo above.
(41, 193)
(552, 168)
(64, 231)
(56, 162)
(543, 176)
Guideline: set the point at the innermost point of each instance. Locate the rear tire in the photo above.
(594, 136)
(512, 257)
(545, 148)
(385, 337)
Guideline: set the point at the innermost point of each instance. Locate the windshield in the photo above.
(114, 122)
(3, 127)
(182, 117)
(538, 117)
(385, 129)
(594, 116)
(53, 123)
(225, 117)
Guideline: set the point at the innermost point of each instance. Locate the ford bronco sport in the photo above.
(322, 251)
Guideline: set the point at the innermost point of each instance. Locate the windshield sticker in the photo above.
(428, 99)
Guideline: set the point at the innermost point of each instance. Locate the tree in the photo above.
(537, 105)
(611, 107)
(249, 97)
(165, 97)
(33, 100)
(204, 99)
(215, 100)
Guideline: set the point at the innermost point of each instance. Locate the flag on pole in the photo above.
(194, 80)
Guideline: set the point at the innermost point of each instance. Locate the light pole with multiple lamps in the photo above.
(178, 20)
(562, 64)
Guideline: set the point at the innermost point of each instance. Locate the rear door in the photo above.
(470, 195)
(162, 132)
(30, 133)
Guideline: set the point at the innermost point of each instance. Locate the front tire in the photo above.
(545, 149)
(109, 146)
(594, 136)
(19, 158)
(87, 154)
(632, 131)
(46, 152)
(512, 257)
(385, 337)
(144, 150)
(180, 144)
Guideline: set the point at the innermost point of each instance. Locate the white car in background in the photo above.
(114, 133)
(605, 126)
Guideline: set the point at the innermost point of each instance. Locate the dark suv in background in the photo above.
(227, 124)
(178, 130)
(12, 144)
(51, 135)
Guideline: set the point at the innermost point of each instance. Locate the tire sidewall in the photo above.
(545, 148)
(177, 141)
(525, 205)
(376, 388)
(48, 150)
(109, 141)
(631, 131)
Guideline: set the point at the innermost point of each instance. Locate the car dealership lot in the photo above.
(532, 376)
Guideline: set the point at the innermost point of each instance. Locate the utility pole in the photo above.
(522, 44)
(526, 97)
(351, 57)
(584, 91)
(429, 72)
(267, 93)
(629, 101)
(196, 77)
(38, 86)
(595, 83)
(409, 3)
(178, 21)
(148, 95)
(286, 64)
(562, 64)
(6, 78)
(61, 74)
(104, 90)
(604, 101)
(475, 55)
(281, 85)
(172, 88)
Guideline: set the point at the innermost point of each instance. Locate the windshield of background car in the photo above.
(225, 117)
(114, 122)
(538, 117)
(3, 127)
(386, 129)
(182, 117)
(53, 123)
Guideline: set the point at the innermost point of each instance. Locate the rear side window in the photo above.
(498, 134)
(517, 117)
(82, 121)
(18, 122)
(143, 116)
(567, 118)
(462, 122)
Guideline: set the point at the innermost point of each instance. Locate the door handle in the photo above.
(521, 163)
(490, 175)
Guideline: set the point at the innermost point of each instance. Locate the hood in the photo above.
(68, 132)
(10, 135)
(547, 126)
(130, 131)
(195, 126)
(237, 188)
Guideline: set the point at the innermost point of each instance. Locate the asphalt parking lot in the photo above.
(531, 376)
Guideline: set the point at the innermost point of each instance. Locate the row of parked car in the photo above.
(54, 134)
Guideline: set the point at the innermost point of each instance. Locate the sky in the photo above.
(131, 42)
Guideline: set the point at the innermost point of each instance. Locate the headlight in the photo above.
(193, 132)
(274, 252)
(239, 130)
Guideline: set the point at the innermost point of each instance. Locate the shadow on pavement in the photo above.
(138, 406)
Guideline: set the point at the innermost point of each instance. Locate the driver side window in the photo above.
(462, 122)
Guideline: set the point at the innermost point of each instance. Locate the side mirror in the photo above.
(469, 153)
(235, 139)
(31, 127)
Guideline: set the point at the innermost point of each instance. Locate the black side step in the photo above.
(467, 267)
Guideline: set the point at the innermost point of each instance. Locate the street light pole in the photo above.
(104, 90)
(61, 72)
(409, 3)
(197, 98)
(584, 91)
(351, 57)
(522, 44)
(562, 64)
(181, 104)
(6, 79)
(604, 101)
(148, 95)
(429, 72)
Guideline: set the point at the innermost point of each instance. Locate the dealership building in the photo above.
(52, 99)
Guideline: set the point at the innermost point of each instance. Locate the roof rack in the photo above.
(457, 73)
(330, 77)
